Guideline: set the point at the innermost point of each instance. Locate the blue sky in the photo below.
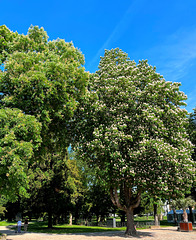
(164, 31)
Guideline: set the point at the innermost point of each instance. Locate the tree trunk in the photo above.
(191, 214)
(156, 219)
(122, 219)
(185, 216)
(160, 216)
(76, 216)
(175, 216)
(132, 202)
(97, 219)
(49, 220)
(55, 220)
(131, 230)
(70, 219)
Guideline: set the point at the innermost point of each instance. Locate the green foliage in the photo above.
(132, 127)
(2, 210)
(147, 203)
(192, 131)
(19, 137)
(99, 202)
(44, 79)
(183, 203)
(2, 206)
(6, 37)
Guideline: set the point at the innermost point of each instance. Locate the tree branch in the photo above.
(115, 198)
(137, 200)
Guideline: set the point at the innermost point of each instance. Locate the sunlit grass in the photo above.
(7, 223)
(41, 227)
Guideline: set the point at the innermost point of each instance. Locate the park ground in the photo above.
(166, 233)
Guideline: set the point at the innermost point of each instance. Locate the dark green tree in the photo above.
(58, 191)
(45, 79)
(192, 131)
(101, 204)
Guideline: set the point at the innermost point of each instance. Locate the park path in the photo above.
(169, 233)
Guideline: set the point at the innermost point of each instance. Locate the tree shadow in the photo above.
(121, 234)
(107, 234)
(114, 234)
(11, 230)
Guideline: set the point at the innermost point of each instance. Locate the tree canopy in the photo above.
(131, 125)
(183, 203)
(192, 131)
(44, 79)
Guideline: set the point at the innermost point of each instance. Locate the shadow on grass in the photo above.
(167, 224)
(41, 227)
(67, 229)
(83, 230)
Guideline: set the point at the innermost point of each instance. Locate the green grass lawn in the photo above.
(144, 218)
(41, 227)
(6, 223)
(150, 218)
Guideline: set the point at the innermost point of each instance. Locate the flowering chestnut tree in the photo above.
(131, 127)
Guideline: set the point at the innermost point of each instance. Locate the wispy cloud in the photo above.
(175, 55)
(174, 58)
(119, 29)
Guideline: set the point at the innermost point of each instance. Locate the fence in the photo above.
(112, 223)
(139, 224)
